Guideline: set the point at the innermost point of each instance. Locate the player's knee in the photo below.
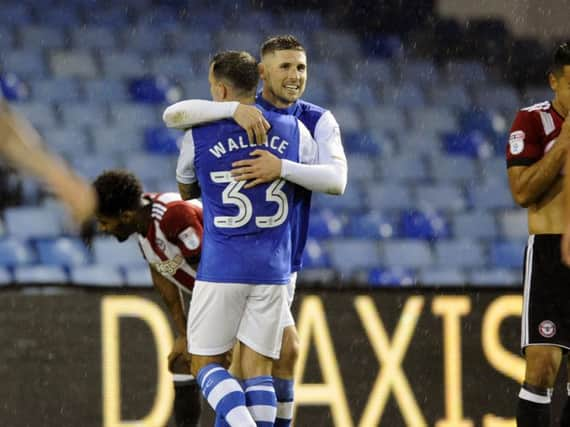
(291, 353)
(541, 369)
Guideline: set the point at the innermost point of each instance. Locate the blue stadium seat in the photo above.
(462, 253)
(448, 95)
(373, 225)
(26, 222)
(5, 277)
(91, 166)
(495, 277)
(361, 168)
(151, 166)
(348, 118)
(6, 39)
(385, 118)
(40, 114)
(117, 140)
(328, 71)
(405, 95)
(44, 37)
(40, 274)
(73, 63)
(417, 224)
(109, 252)
(62, 251)
(497, 97)
(160, 17)
(130, 114)
(138, 277)
(238, 40)
(161, 140)
(405, 167)
(121, 65)
(64, 15)
(395, 276)
(153, 90)
(388, 196)
(106, 90)
(175, 66)
(477, 120)
(108, 17)
(466, 71)
(472, 144)
(514, 224)
(453, 169)
(13, 88)
(423, 70)
(357, 93)
(99, 275)
(336, 44)
(14, 252)
(189, 40)
(441, 277)
(361, 143)
(442, 197)
(142, 39)
(26, 63)
(351, 200)
(318, 92)
(373, 71)
(434, 119)
(197, 88)
(491, 195)
(325, 224)
(475, 225)
(507, 254)
(82, 114)
(91, 37)
(407, 253)
(15, 14)
(418, 142)
(67, 141)
(56, 90)
(383, 46)
(315, 255)
(349, 255)
(494, 169)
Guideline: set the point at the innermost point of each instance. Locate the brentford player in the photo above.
(536, 153)
(169, 231)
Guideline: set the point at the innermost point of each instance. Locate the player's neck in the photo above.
(557, 105)
(277, 102)
(249, 100)
(144, 219)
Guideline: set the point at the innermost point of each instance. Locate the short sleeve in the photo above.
(524, 145)
(182, 225)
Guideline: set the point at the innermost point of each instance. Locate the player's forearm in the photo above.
(536, 179)
(193, 112)
(566, 189)
(171, 297)
(329, 178)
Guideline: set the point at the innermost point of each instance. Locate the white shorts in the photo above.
(220, 313)
(288, 318)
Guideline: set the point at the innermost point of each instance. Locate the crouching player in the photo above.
(169, 232)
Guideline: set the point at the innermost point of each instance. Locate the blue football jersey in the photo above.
(247, 232)
(309, 114)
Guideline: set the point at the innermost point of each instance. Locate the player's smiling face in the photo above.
(284, 75)
(560, 84)
(114, 226)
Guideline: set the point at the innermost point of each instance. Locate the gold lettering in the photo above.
(113, 308)
(503, 361)
(451, 308)
(312, 323)
(390, 356)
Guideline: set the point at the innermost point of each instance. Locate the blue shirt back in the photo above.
(309, 114)
(247, 233)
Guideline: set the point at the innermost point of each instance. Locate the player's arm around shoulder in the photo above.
(185, 169)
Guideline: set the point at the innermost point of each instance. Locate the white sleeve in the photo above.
(185, 171)
(330, 174)
(193, 112)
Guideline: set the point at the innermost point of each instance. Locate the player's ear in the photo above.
(552, 81)
(261, 69)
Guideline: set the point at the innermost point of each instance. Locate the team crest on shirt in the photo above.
(547, 328)
(516, 142)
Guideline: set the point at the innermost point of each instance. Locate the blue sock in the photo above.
(261, 401)
(284, 390)
(225, 395)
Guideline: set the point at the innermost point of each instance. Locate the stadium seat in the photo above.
(405, 95)
(117, 139)
(361, 168)
(315, 255)
(15, 252)
(153, 90)
(351, 200)
(383, 46)
(348, 255)
(111, 18)
(388, 196)
(329, 71)
(357, 93)
(106, 91)
(15, 14)
(362, 143)
(491, 195)
(466, 71)
(96, 275)
(5, 277)
(27, 222)
(40, 114)
(91, 37)
(138, 277)
(151, 166)
(318, 92)
(197, 88)
(453, 169)
(507, 254)
(448, 95)
(161, 140)
(238, 40)
(371, 225)
(472, 144)
(385, 118)
(535, 94)
(422, 143)
(189, 40)
(91, 166)
(13, 88)
(433, 119)
(378, 277)
(440, 197)
(424, 71)
(441, 277)
(375, 72)
(404, 167)
(129, 114)
(514, 224)
(497, 97)
(121, 65)
(40, 274)
(61, 16)
(475, 225)
(406, 253)
(325, 224)
(417, 224)
(62, 251)
(58, 90)
(348, 118)
(76, 115)
(44, 37)
(175, 66)
(336, 44)
(460, 253)
(75, 63)
(67, 141)
(495, 277)
(109, 252)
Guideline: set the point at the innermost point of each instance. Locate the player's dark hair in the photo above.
(237, 68)
(117, 191)
(286, 42)
(561, 58)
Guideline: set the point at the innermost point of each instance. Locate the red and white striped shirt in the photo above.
(173, 237)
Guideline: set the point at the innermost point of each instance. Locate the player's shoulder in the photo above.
(535, 109)
(165, 206)
(310, 108)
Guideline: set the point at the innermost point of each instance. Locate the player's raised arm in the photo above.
(328, 176)
(193, 112)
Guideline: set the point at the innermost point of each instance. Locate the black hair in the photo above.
(284, 42)
(117, 191)
(239, 68)
(561, 58)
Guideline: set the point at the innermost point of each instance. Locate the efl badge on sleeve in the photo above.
(516, 142)
(190, 238)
